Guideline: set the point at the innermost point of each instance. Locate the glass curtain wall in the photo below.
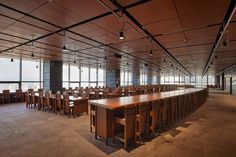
(19, 73)
(76, 76)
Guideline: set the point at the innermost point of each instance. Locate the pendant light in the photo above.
(64, 48)
(122, 37)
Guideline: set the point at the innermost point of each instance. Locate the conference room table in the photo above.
(105, 108)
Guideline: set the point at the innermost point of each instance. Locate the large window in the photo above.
(143, 77)
(126, 78)
(20, 73)
(9, 71)
(31, 75)
(74, 76)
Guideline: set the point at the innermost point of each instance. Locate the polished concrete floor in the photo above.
(209, 132)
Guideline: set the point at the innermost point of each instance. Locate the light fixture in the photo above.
(64, 48)
(32, 55)
(100, 65)
(150, 53)
(216, 56)
(75, 61)
(127, 63)
(171, 65)
(37, 66)
(164, 60)
(105, 58)
(141, 67)
(122, 37)
(211, 63)
(12, 60)
(160, 69)
(78, 67)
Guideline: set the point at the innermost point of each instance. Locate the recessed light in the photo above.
(121, 35)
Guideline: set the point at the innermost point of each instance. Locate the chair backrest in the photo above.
(6, 93)
(30, 90)
(19, 93)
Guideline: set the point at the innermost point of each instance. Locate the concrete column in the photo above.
(231, 85)
(52, 76)
(113, 78)
(136, 77)
(223, 81)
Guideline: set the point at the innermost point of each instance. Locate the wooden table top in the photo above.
(71, 98)
(129, 100)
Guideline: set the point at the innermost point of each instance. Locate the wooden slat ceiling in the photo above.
(186, 28)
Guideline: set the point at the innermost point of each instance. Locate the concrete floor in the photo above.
(210, 131)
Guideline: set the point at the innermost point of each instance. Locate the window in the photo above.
(143, 77)
(10, 71)
(126, 78)
(73, 76)
(93, 74)
(12, 77)
(9, 86)
(74, 73)
(211, 80)
(177, 79)
(30, 71)
(171, 79)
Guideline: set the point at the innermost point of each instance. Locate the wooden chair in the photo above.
(68, 108)
(47, 102)
(32, 100)
(163, 117)
(153, 116)
(174, 102)
(58, 103)
(141, 121)
(92, 114)
(41, 101)
(6, 96)
(19, 96)
(126, 120)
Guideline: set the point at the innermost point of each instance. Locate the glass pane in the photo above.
(30, 85)
(65, 85)
(10, 71)
(73, 85)
(171, 79)
(101, 84)
(92, 84)
(65, 72)
(74, 73)
(30, 71)
(84, 84)
(101, 76)
(84, 74)
(9, 86)
(93, 74)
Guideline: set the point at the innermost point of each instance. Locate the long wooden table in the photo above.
(105, 108)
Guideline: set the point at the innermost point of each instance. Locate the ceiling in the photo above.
(180, 33)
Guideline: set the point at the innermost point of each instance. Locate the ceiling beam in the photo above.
(126, 13)
(228, 16)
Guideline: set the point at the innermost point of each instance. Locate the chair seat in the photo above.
(120, 120)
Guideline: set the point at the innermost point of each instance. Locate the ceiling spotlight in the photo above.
(164, 60)
(75, 61)
(185, 39)
(127, 63)
(37, 66)
(211, 63)
(141, 67)
(171, 65)
(105, 58)
(32, 55)
(150, 53)
(100, 65)
(121, 35)
(12, 60)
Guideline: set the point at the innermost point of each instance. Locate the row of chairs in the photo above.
(152, 117)
(58, 104)
(18, 96)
